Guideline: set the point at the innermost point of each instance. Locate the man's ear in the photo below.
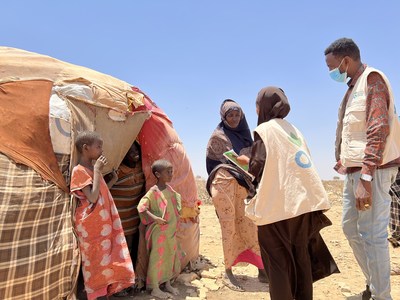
(157, 174)
(347, 60)
(84, 147)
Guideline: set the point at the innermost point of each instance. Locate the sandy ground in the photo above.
(208, 285)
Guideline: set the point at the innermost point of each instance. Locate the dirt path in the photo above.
(346, 285)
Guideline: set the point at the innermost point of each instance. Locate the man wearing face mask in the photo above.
(367, 151)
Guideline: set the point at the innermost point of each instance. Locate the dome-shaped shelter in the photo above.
(44, 103)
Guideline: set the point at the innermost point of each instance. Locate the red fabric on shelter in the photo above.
(24, 127)
(159, 140)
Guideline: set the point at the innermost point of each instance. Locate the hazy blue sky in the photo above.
(189, 56)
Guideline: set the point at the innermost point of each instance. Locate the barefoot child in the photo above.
(106, 263)
(159, 211)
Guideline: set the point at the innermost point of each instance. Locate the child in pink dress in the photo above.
(159, 211)
(106, 263)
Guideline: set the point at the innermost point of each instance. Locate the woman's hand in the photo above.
(243, 159)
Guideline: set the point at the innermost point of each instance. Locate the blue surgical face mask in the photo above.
(337, 76)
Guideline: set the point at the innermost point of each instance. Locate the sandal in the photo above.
(394, 242)
(123, 293)
(395, 270)
(231, 286)
(262, 276)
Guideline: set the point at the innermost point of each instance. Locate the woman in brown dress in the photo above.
(290, 202)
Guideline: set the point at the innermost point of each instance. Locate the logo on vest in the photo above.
(294, 139)
(301, 158)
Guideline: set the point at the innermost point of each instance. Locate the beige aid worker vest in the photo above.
(290, 185)
(354, 133)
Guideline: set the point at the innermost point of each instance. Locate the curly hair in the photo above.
(344, 47)
(86, 137)
(160, 165)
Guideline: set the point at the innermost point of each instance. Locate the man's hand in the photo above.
(363, 195)
(340, 168)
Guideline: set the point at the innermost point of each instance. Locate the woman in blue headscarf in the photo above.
(228, 186)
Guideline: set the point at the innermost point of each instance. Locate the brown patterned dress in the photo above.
(239, 233)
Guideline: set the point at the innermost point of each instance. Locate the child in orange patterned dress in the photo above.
(106, 263)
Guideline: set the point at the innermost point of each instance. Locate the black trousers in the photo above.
(295, 255)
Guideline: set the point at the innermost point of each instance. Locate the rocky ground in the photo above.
(206, 281)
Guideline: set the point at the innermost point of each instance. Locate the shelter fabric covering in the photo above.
(159, 139)
(17, 65)
(97, 101)
(117, 136)
(24, 127)
(37, 247)
(86, 100)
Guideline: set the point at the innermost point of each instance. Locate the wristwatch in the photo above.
(366, 177)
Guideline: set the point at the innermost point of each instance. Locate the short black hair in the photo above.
(344, 47)
(160, 165)
(86, 137)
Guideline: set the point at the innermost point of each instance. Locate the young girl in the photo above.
(159, 211)
(106, 263)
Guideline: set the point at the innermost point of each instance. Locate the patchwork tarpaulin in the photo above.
(44, 103)
(38, 254)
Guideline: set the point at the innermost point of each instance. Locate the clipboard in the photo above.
(231, 155)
